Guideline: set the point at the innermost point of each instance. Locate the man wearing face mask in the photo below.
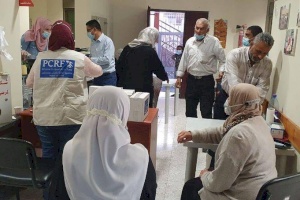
(246, 65)
(102, 52)
(199, 59)
(177, 56)
(250, 33)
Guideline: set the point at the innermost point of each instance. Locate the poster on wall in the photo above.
(298, 19)
(290, 42)
(284, 17)
(220, 31)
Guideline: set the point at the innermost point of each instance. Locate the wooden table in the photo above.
(140, 132)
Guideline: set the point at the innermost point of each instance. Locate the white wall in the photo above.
(84, 10)
(130, 16)
(50, 9)
(286, 68)
(11, 22)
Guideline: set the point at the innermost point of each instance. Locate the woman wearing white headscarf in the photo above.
(99, 162)
(137, 63)
(245, 157)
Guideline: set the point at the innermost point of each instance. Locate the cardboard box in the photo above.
(5, 99)
(277, 130)
(139, 106)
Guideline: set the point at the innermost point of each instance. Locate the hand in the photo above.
(184, 136)
(203, 172)
(178, 82)
(220, 77)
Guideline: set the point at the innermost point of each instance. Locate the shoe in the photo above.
(173, 95)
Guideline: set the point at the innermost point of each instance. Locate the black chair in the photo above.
(19, 166)
(283, 188)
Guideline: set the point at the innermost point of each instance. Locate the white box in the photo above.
(92, 88)
(139, 106)
(5, 99)
(277, 131)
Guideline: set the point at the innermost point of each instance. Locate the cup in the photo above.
(18, 109)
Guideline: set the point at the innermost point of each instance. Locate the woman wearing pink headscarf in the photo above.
(35, 40)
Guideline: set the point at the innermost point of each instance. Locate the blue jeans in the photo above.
(106, 79)
(54, 138)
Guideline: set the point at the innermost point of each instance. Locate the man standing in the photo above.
(246, 65)
(199, 59)
(250, 33)
(102, 53)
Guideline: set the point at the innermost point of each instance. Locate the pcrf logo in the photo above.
(57, 63)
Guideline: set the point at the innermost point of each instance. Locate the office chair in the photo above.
(19, 166)
(283, 188)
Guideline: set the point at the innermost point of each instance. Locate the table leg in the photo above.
(167, 101)
(176, 98)
(281, 164)
(191, 163)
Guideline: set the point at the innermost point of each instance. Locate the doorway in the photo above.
(175, 28)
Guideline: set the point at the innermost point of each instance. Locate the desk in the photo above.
(140, 132)
(167, 97)
(192, 151)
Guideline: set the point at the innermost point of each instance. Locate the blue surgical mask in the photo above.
(178, 52)
(89, 34)
(46, 34)
(199, 37)
(246, 42)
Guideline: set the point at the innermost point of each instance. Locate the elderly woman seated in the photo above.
(245, 157)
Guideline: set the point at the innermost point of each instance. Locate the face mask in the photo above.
(246, 42)
(89, 34)
(46, 34)
(178, 52)
(227, 108)
(199, 37)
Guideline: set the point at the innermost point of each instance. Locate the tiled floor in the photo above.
(171, 157)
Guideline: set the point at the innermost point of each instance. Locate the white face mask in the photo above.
(227, 108)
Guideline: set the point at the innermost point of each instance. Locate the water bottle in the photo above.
(274, 104)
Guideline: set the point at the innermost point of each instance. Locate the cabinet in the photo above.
(140, 132)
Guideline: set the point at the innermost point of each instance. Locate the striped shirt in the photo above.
(239, 70)
(200, 58)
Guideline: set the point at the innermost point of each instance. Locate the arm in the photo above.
(107, 56)
(120, 67)
(208, 135)
(220, 55)
(233, 154)
(30, 77)
(232, 70)
(263, 84)
(24, 45)
(158, 67)
(91, 69)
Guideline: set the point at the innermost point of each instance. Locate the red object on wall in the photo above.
(25, 3)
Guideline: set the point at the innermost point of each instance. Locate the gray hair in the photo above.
(203, 21)
(264, 37)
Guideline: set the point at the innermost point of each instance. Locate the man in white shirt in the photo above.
(199, 59)
(246, 65)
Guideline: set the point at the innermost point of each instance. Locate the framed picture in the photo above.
(284, 17)
(298, 19)
(290, 42)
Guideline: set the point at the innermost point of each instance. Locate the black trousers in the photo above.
(149, 189)
(219, 105)
(199, 90)
(191, 188)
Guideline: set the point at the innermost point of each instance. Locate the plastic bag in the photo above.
(4, 44)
